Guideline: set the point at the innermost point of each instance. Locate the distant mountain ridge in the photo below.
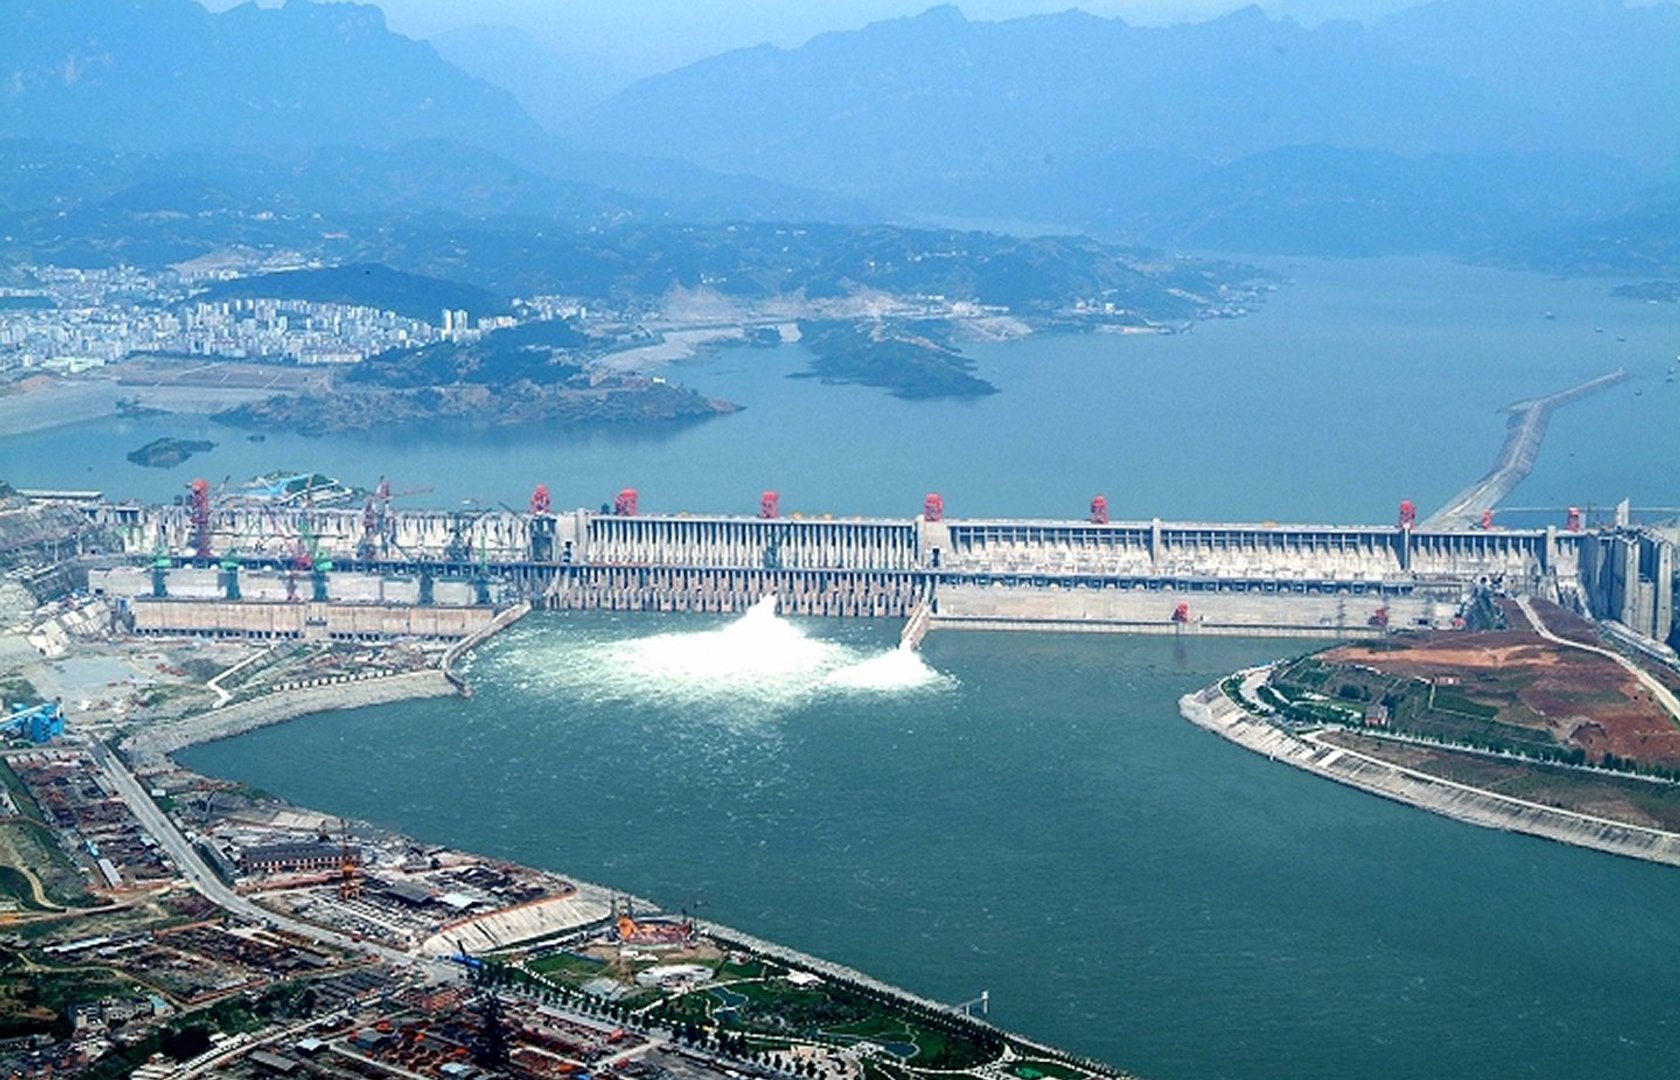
(167, 85)
(951, 94)
(552, 87)
(1462, 125)
(150, 74)
(939, 94)
(1606, 75)
(421, 176)
(1091, 122)
(1318, 199)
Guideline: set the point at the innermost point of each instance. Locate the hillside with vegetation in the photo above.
(373, 285)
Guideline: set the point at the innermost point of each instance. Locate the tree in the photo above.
(184, 1043)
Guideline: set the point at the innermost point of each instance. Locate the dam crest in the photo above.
(348, 574)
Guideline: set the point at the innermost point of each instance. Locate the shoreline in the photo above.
(69, 403)
(730, 936)
(1213, 711)
(154, 746)
(154, 749)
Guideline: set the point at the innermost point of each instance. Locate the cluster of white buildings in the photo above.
(75, 319)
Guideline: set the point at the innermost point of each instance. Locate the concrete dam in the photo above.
(1127, 576)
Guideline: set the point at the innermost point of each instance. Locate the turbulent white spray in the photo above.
(759, 663)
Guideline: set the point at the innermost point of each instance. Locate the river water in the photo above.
(1025, 814)
(1028, 814)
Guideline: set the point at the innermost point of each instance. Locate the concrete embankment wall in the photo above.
(1212, 710)
(997, 607)
(201, 583)
(501, 622)
(149, 746)
(523, 922)
(342, 621)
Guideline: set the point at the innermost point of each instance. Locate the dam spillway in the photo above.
(1150, 576)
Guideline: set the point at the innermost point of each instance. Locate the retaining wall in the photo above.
(1213, 710)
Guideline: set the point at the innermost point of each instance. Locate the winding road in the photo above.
(1664, 696)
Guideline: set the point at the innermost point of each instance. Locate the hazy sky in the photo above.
(643, 36)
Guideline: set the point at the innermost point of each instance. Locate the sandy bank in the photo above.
(673, 347)
(75, 401)
(1213, 710)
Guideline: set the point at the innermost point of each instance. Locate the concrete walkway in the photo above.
(215, 685)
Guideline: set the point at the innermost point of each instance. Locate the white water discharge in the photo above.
(760, 664)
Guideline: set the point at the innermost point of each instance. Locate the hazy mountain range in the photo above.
(1471, 126)
(169, 81)
(937, 95)
(551, 86)
(1451, 124)
(152, 74)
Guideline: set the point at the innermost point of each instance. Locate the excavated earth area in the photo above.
(1582, 699)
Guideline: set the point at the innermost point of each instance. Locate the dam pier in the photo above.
(347, 574)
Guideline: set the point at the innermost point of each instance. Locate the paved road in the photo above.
(201, 877)
(1665, 697)
(239, 1046)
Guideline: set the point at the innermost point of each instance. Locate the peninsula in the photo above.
(1529, 724)
(537, 372)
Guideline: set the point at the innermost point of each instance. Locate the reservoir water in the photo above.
(1028, 814)
(1359, 384)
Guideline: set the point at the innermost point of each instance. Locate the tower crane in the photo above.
(349, 865)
